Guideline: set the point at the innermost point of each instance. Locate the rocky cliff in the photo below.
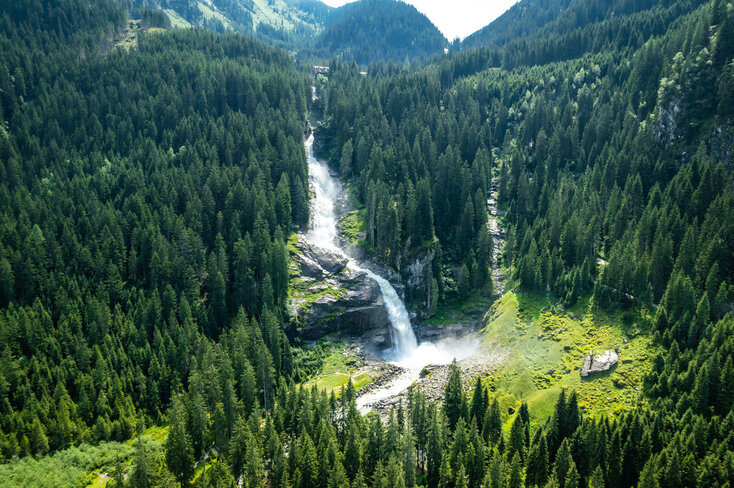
(329, 296)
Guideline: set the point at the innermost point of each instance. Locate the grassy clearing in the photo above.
(208, 13)
(201, 468)
(546, 348)
(337, 368)
(177, 20)
(292, 243)
(128, 39)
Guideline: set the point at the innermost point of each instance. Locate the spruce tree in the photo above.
(453, 395)
(179, 451)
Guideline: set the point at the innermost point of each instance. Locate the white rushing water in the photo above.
(405, 351)
(323, 232)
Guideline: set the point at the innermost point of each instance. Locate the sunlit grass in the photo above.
(546, 347)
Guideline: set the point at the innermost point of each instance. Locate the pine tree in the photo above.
(515, 478)
(219, 475)
(338, 478)
(179, 452)
(434, 453)
(409, 459)
(572, 477)
(537, 469)
(493, 423)
(517, 439)
(254, 472)
(141, 473)
(37, 438)
(460, 481)
(345, 163)
(352, 455)
(563, 463)
(647, 477)
(445, 477)
(453, 395)
(597, 478)
(308, 463)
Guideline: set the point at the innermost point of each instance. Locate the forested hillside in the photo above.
(147, 198)
(290, 24)
(370, 30)
(615, 171)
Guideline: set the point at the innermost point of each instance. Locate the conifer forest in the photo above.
(277, 244)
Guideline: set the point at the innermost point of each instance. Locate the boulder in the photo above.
(317, 262)
(596, 363)
(346, 301)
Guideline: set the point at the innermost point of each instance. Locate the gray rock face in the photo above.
(596, 363)
(666, 125)
(335, 298)
(416, 269)
(416, 281)
(317, 262)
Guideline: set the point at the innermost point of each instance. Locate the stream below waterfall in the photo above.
(405, 353)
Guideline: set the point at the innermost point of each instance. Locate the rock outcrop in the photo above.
(665, 129)
(597, 363)
(329, 296)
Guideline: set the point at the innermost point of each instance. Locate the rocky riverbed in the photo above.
(385, 374)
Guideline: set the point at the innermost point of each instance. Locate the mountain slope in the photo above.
(286, 23)
(572, 23)
(379, 29)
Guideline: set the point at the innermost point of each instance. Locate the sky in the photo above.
(454, 18)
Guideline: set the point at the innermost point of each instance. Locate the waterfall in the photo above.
(401, 332)
(322, 233)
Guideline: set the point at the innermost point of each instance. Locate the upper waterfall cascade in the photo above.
(323, 232)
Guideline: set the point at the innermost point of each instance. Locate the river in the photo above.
(405, 352)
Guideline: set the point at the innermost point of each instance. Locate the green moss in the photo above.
(352, 224)
(292, 243)
(308, 291)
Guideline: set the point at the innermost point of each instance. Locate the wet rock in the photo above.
(415, 269)
(428, 370)
(377, 339)
(317, 262)
(596, 363)
(339, 299)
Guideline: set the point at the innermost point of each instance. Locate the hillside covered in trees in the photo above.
(370, 30)
(147, 199)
